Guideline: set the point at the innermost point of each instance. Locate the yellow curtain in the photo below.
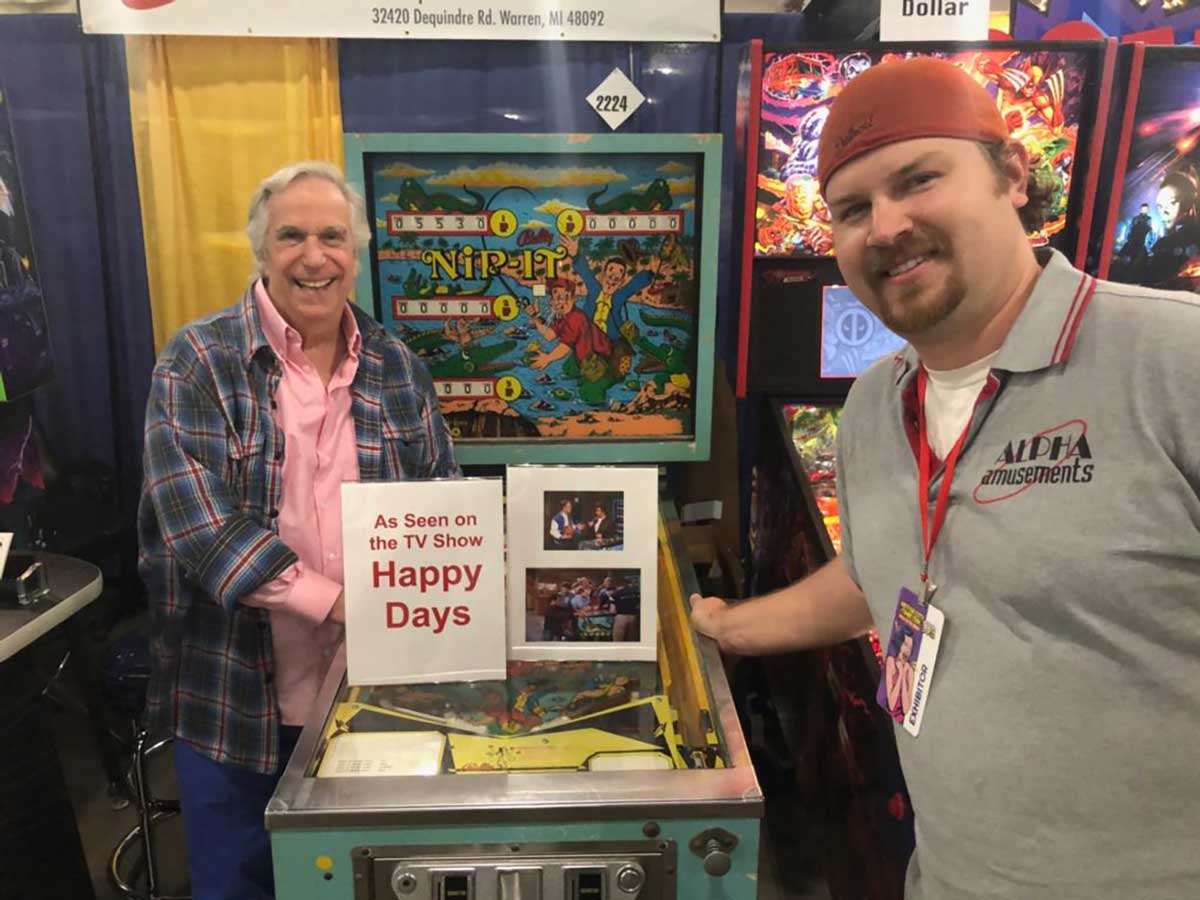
(211, 118)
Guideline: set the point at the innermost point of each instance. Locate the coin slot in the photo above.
(586, 884)
(454, 886)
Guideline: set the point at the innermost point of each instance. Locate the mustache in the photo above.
(881, 259)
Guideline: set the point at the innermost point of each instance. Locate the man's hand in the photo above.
(826, 608)
(540, 361)
(707, 614)
(570, 245)
(337, 615)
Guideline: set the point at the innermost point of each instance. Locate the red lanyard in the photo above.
(925, 459)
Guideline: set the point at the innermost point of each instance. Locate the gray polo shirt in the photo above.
(1059, 757)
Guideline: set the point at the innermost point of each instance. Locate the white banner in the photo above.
(933, 20)
(513, 20)
(424, 581)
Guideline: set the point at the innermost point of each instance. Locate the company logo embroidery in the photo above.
(854, 131)
(1060, 455)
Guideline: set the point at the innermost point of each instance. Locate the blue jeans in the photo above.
(229, 851)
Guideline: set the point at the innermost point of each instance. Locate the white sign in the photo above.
(582, 562)
(615, 99)
(514, 20)
(933, 20)
(424, 581)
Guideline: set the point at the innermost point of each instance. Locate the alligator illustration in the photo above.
(478, 359)
(656, 196)
(412, 197)
(472, 423)
(666, 363)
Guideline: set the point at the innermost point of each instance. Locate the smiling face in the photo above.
(925, 227)
(905, 652)
(612, 279)
(310, 262)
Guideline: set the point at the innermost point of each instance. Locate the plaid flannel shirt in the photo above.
(208, 526)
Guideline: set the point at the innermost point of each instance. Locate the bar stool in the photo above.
(126, 673)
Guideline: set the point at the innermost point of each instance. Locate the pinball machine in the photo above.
(568, 779)
(804, 337)
(560, 290)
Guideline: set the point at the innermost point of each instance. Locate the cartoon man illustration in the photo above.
(608, 294)
(571, 328)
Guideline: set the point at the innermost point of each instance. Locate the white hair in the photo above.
(256, 220)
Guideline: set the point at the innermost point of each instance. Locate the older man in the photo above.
(257, 414)
(1020, 488)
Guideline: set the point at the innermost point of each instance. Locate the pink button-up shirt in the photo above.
(319, 454)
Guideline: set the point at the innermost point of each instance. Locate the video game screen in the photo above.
(1042, 93)
(1157, 237)
(26, 360)
(810, 337)
(852, 337)
(554, 296)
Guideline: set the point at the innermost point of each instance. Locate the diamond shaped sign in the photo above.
(615, 99)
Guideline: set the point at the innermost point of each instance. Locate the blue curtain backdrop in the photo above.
(68, 98)
(77, 171)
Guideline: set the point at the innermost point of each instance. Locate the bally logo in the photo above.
(1060, 455)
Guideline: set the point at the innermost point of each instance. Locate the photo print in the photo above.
(594, 605)
(584, 520)
(582, 562)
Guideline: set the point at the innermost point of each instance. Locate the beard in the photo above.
(915, 308)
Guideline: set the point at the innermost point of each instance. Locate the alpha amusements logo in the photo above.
(1057, 456)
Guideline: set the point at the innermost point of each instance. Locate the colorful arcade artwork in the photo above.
(556, 297)
(1040, 93)
(25, 357)
(1030, 20)
(1157, 237)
